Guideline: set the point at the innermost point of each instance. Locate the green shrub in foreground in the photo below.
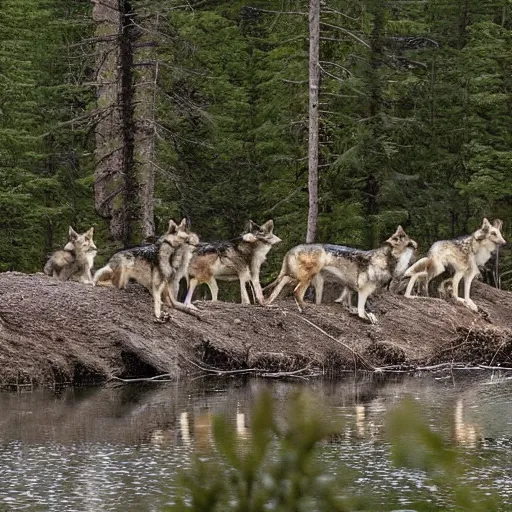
(279, 468)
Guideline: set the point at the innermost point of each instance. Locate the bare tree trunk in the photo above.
(125, 145)
(108, 176)
(314, 85)
(145, 81)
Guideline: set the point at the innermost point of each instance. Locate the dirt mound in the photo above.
(55, 333)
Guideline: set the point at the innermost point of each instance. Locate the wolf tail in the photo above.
(103, 276)
(48, 268)
(421, 265)
(279, 278)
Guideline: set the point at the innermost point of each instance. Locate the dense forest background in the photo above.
(121, 114)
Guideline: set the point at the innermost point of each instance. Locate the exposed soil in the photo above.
(54, 332)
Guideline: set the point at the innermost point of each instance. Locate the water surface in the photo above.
(120, 449)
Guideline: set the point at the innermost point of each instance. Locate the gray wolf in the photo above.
(76, 260)
(346, 295)
(240, 259)
(361, 271)
(150, 265)
(461, 255)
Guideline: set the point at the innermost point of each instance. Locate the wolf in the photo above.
(361, 271)
(346, 295)
(240, 259)
(180, 263)
(150, 265)
(76, 260)
(461, 255)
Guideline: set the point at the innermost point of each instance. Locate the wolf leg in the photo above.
(345, 296)
(157, 298)
(299, 293)
(214, 288)
(468, 279)
(363, 294)
(244, 277)
(258, 292)
(175, 287)
(318, 285)
(190, 292)
(456, 280)
(283, 281)
(412, 280)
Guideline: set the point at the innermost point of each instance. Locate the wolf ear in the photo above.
(486, 225)
(498, 224)
(89, 234)
(183, 224)
(173, 227)
(268, 227)
(399, 231)
(72, 234)
(252, 226)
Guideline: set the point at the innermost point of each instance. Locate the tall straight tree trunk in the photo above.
(108, 176)
(124, 176)
(314, 85)
(146, 67)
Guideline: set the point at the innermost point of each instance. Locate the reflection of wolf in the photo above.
(462, 255)
(149, 265)
(76, 260)
(230, 261)
(362, 271)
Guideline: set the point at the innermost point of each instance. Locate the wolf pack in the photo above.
(179, 255)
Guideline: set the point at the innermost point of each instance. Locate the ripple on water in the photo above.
(120, 450)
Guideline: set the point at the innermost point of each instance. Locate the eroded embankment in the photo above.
(53, 333)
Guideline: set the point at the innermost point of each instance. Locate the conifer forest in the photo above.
(122, 114)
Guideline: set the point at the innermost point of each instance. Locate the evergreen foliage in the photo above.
(415, 119)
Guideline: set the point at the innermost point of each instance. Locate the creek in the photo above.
(120, 448)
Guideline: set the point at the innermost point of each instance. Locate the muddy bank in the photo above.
(55, 333)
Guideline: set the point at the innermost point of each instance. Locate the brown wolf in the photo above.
(361, 271)
(76, 260)
(461, 255)
(240, 259)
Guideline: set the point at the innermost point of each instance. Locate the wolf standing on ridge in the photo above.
(76, 260)
(464, 255)
(230, 261)
(362, 271)
(149, 265)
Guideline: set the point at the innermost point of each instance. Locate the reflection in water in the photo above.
(466, 433)
(121, 448)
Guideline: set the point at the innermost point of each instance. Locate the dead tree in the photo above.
(314, 85)
(124, 176)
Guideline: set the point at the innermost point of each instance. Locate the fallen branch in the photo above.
(355, 354)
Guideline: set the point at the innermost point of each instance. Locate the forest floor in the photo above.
(55, 333)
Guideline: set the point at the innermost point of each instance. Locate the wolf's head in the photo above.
(176, 234)
(400, 242)
(263, 234)
(490, 234)
(80, 243)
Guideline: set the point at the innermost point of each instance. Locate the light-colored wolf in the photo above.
(150, 265)
(461, 255)
(240, 259)
(346, 295)
(361, 271)
(76, 260)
